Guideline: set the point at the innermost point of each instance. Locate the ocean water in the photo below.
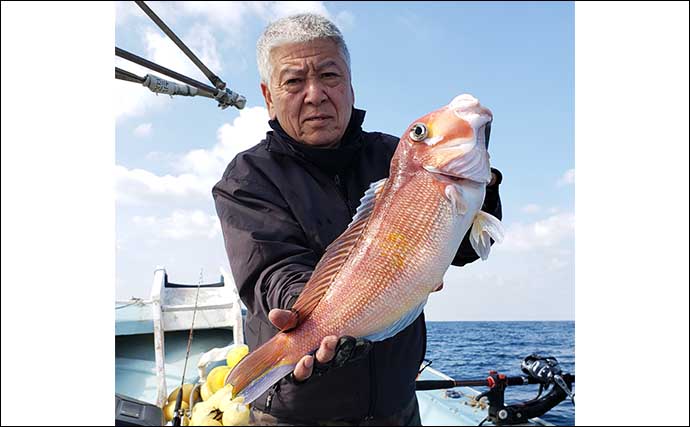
(469, 350)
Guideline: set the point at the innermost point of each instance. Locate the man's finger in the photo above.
(326, 350)
(283, 319)
(304, 368)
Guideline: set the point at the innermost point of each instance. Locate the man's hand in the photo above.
(493, 180)
(286, 319)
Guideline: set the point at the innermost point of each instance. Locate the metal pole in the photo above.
(217, 82)
(126, 75)
(211, 92)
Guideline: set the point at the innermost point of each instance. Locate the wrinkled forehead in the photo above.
(318, 53)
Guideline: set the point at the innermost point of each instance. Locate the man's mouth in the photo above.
(318, 118)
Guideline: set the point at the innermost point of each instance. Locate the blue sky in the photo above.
(407, 59)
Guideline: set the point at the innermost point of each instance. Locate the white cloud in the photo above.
(245, 131)
(233, 18)
(132, 99)
(181, 225)
(129, 15)
(531, 208)
(223, 15)
(281, 9)
(558, 263)
(163, 51)
(567, 178)
(535, 261)
(345, 20)
(161, 157)
(518, 282)
(543, 233)
(143, 130)
(203, 163)
(198, 170)
(125, 11)
(204, 45)
(139, 186)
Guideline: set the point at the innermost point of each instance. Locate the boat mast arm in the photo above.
(220, 92)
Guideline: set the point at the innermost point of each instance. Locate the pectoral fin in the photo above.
(484, 228)
(454, 194)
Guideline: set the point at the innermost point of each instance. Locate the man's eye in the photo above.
(329, 75)
(292, 81)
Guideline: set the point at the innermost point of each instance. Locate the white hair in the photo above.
(296, 29)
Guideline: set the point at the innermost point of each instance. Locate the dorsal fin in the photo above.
(336, 254)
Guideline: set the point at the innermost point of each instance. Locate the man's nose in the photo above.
(316, 92)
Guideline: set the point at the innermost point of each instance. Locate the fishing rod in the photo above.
(544, 371)
(220, 92)
(487, 382)
(177, 418)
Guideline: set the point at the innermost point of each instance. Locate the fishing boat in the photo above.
(151, 337)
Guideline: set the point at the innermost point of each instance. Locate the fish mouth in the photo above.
(444, 176)
(451, 178)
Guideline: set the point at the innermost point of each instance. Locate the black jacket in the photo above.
(280, 204)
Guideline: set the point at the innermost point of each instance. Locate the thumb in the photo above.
(283, 319)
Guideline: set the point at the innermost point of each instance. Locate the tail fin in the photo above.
(260, 369)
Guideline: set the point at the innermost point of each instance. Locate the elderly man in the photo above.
(282, 202)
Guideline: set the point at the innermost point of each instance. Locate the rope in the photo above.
(133, 300)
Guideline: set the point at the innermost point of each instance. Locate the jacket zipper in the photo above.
(342, 192)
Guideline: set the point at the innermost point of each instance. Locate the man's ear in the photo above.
(269, 99)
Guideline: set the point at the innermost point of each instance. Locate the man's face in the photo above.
(310, 92)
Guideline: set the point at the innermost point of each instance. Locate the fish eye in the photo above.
(418, 132)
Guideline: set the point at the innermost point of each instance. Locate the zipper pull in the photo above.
(336, 179)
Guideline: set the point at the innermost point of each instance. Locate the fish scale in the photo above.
(381, 287)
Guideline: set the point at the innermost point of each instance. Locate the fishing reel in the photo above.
(540, 368)
(544, 371)
(547, 372)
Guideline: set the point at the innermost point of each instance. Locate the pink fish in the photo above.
(374, 280)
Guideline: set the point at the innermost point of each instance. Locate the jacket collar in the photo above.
(331, 160)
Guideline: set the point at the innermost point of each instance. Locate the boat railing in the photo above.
(173, 307)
